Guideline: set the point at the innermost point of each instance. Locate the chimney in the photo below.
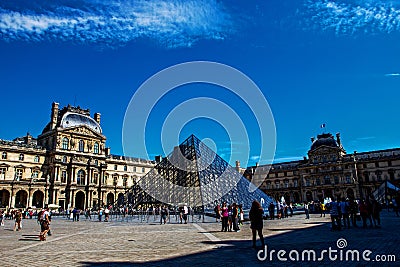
(338, 139)
(237, 165)
(97, 117)
(28, 138)
(54, 115)
(312, 139)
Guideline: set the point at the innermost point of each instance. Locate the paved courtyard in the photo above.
(132, 242)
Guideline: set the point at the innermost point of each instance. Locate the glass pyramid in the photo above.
(196, 176)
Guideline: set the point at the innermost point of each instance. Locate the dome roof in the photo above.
(324, 140)
(74, 119)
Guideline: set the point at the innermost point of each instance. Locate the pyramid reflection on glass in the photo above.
(194, 175)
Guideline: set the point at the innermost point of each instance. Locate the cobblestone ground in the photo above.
(121, 243)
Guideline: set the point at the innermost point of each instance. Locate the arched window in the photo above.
(36, 159)
(65, 143)
(21, 157)
(81, 146)
(96, 148)
(4, 155)
(80, 179)
(64, 159)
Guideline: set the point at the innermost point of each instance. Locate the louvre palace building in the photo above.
(68, 165)
(328, 172)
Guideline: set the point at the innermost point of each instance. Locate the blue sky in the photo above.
(334, 62)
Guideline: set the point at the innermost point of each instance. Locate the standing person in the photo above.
(44, 224)
(106, 214)
(185, 213)
(225, 215)
(235, 217)
(230, 218)
(256, 222)
(307, 210)
(18, 218)
(322, 209)
(1, 218)
(335, 218)
(344, 208)
(353, 209)
(100, 214)
(241, 214)
(291, 209)
(271, 210)
(217, 211)
(164, 214)
(74, 216)
(376, 209)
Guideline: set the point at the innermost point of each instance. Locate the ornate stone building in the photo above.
(68, 165)
(328, 172)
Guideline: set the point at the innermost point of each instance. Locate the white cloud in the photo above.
(392, 74)
(350, 17)
(172, 23)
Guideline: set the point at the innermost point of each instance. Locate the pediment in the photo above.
(83, 131)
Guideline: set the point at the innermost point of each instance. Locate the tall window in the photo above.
(348, 179)
(64, 177)
(327, 180)
(125, 168)
(134, 169)
(115, 167)
(318, 181)
(277, 185)
(286, 183)
(96, 162)
(36, 159)
(64, 159)
(336, 178)
(96, 148)
(21, 157)
(295, 183)
(143, 170)
(80, 179)
(95, 178)
(307, 182)
(35, 174)
(65, 143)
(115, 178)
(81, 146)
(2, 173)
(4, 155)
(18, 174)
(125, 181)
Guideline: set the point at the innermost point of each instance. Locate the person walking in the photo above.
(18, 219)
(307, 210)
(256, 222)
(44, 224)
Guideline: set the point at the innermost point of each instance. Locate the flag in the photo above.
(323, 125)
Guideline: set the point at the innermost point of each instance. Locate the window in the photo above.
(115, 167)
(143, 170)
(21, 157)
(2, 173)
(65, 143)
(96, 162)
(36, 159)
(336, 178)
(96, 148)
(327, 180)
(80, 179)
(81, 146)
(18, 174)
(125, 168)
(64, 177)
(134, 169)
(35, 174)
(307, 182)
(318, 181)
(269, 185)
(125, 181)
(348, 179)
(4, 155)
(95, 178)
(277, 185)
(115, 178)
(286, 183)
(295, 183)
(64, 159)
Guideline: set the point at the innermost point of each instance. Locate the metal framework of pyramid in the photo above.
(194, 175)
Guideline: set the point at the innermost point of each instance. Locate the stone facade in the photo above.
(67, 165)
(328, 172)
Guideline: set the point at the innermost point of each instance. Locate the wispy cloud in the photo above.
(173, 23)
(284, 159)
(392, 74)
(350, 17)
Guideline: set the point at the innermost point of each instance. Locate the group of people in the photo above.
(231, 216)
(346, 212)
(283, 210)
